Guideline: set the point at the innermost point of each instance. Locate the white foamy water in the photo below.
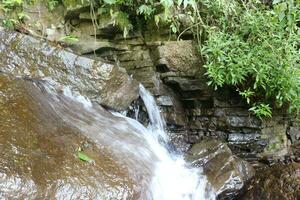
(173, 179)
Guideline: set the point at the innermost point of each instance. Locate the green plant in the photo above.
(248, 46)
(52, 4)
(12, 3)
(127, 13)
(261, 110)
(69, 39)
(8, 6)
(9, 23)
(82, 156)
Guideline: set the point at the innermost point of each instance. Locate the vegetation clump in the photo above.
(255, 48)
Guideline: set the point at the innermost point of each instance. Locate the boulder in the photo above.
(39, 149)
(226, 173)
(178, 56)
(277, 182)
(107, 84)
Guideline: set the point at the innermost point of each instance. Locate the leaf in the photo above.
(156, 19)
(173, 28)
(83, 157)
(110, 1)
(23, 15)
(185, 4)
(281, 16)
(69, 38)
(276, 1)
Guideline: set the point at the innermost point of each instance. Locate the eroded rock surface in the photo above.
(39, 153)
(226, 173)
(275, 183)
(105, 83)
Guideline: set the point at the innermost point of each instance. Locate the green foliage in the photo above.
(255, 49)
(128, 12)
(52, 4)
(13, 10)
(21, 15)
(12, 3)
(69, 39)
(262, 110)
(8, 6)
(82, 156)
(9, 23)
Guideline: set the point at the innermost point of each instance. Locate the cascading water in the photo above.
(162, 175)
(172, 179)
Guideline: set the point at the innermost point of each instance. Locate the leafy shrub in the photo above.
(157, 11)
(256, 49)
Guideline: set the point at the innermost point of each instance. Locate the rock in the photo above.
(87, 44)
(164, 101)
(226, 173)
(179, 56)
(39, 149)
(105, 83)
(294, 133)
(186, 84)
(75, 7)
(277, 182)
(42, 21)
(240, 122)
(241, 138)
(105, 28)
(178, 140)
(275, 133)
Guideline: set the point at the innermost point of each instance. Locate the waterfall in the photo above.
(142, 150)
(172, 180)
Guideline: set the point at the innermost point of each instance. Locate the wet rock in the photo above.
(178, 140)
(105, 83)
(275, 133)
(164, 101)
(39, 151)
(226, 173)
(241, 138)
(294, 133)
(277, 182)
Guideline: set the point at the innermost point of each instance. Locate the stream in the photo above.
(130, 161)
(172, 178)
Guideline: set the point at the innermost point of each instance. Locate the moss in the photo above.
(276, 135)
